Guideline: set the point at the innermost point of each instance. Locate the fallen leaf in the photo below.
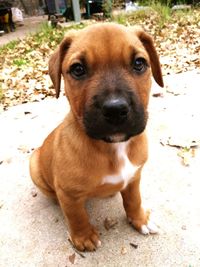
(34, 192)
(134, 245)
(110, 223)
(157, 94)
(186, 154)
(72, 258)
(24, 149)
(184, 227)
(123, 251)
(183, 137)
(27, 112)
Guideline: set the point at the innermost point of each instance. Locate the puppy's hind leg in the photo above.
(37, 177)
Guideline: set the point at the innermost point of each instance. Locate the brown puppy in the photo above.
(101, 147)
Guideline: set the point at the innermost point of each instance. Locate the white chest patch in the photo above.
(127, 171)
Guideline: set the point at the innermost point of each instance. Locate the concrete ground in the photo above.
(32, 228)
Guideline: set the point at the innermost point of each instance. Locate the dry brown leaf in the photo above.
(134, 245)
(72, 258)
(110, 223)
(186, 154)
(24, 149)
(123, 250)
(34, 192)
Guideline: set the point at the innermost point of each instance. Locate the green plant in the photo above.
(152, 2)
(163, 10)
(120, 18)
(107, 8)
(141, 14)
(20, 62)
(47, 34)
(10, 46)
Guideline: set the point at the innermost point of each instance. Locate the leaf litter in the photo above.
(24, 69)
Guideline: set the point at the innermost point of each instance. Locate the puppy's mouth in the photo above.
(115, 138)
(114, 118)
(99, 128)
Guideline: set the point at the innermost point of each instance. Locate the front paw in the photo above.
(87, 240)
(143, 223)
(149, 228)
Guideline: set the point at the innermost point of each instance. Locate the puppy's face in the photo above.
(107, 74)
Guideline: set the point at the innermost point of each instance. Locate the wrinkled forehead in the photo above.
(104, 45)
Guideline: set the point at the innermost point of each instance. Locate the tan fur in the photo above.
(70, 165)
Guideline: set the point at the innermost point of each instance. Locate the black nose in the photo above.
(115, 111)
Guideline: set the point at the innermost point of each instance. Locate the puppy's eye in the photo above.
(77, 71)
(139, 65)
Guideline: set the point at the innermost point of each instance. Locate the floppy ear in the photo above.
(55, 62)
(148, 43)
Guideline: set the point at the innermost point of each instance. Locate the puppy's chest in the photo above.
(126, 171)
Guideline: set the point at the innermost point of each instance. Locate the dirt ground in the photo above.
(31, 24)
(32, 228)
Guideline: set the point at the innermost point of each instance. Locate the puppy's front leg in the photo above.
(83, 235)
(132, 202)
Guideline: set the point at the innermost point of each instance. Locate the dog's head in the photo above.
(107, 74)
